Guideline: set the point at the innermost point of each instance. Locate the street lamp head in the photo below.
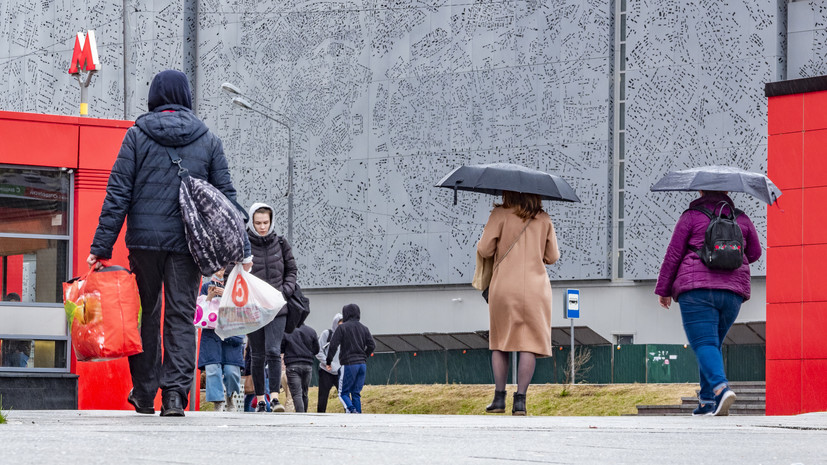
(230, 89)
(242, 103)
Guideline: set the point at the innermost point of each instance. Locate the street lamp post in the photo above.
(244, 102)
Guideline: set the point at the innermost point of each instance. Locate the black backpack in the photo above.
(723, 247)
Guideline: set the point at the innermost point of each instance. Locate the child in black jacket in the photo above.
(355, 344)
(299, 348)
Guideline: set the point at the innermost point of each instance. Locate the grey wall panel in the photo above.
(807, 33)
(36, 41)
(696, 74)
(387, 98)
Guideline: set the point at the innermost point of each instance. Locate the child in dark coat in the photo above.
(354, 342)
(299, 348)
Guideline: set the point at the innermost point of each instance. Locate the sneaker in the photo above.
(262, 406)
(275, 406)
(218, 406)
(704, 409)
(723, 402)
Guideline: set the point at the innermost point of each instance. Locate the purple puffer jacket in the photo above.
(682, 269)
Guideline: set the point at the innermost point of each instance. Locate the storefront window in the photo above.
(34, 201)
(33, 270)
(27, 353)
(35, 249)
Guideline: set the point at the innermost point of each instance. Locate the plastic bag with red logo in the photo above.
(103, 309)
(248, 304)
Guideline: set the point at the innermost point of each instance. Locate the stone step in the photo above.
(750, 399)
(736, 409)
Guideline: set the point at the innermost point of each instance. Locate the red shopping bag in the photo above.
(104, 311)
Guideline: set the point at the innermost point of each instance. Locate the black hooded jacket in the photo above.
(143, 185)
(300, 346)
(352, 338)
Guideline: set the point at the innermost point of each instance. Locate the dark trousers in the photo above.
(326, 381)
(298, 381)
(179, 275)
(265, 348)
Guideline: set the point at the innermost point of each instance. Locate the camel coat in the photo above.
(520, 292)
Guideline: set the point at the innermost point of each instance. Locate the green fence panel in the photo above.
(745, 362)
(670, 363)
(427, 367)
(600, 365)
(545, 370)
(629, 364)
(469, 366)
(381, 369)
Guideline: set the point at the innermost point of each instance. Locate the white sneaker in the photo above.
(218, 406)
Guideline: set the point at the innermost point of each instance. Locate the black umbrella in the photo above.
(720, 178)
(498, 177)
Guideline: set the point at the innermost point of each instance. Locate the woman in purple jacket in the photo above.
(709, 299)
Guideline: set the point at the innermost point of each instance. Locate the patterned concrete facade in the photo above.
(387, 96)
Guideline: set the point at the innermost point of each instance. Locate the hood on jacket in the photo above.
(336, 319)
(712, 202)
(351, 312)
(252, 210)
(169, 87)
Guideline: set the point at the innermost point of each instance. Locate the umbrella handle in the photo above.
(457, 183)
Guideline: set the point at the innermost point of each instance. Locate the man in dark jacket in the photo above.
(354, 342)
(299, 348)
(143, 189)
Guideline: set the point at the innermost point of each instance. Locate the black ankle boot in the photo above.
(498, 404)
(171, 404)
(519, 404)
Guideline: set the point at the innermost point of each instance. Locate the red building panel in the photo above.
(815, 116)
(814, 224)
(784, 275)
(784, 331)
(783, 387)
(43, 140)
(814, 385)
(814, 344)
(814, 159)
(813, 274)
(786, 114)
(784, 161)
(787, 219)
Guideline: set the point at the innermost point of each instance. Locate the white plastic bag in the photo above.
(248, 304)
(206, 312)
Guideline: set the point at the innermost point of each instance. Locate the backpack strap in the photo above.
(706, 212)
(176, 160)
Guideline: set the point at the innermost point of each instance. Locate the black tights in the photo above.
(525, 369)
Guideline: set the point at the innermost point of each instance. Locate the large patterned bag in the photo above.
(214, 226)
(104, 313)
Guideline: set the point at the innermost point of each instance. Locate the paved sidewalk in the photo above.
(120, 437)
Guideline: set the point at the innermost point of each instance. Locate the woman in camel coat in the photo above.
(520, 292)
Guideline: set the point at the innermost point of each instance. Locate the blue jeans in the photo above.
(351, 382)
(220, 377)
(707, 316)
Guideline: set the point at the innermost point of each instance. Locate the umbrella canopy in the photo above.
(720, 178)
(498, 177)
